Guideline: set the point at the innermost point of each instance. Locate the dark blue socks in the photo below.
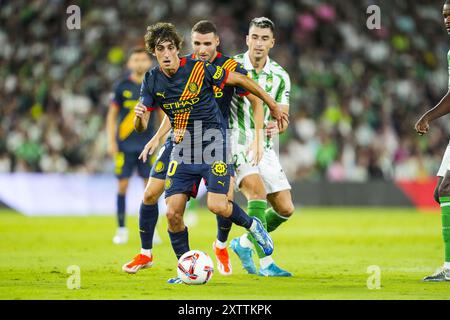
(148, 217)
(180, 242)
(239, 217)
(121, 210)
(223, 228)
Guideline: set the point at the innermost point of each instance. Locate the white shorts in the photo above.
(445, 164)
(269, 168)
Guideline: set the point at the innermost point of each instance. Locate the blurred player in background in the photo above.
(267, 180)
(125, 145)
(205, 41)
(442, 191)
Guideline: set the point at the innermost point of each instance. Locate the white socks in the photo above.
(446, 265)
(220, 244)
(265, 262)
(146, 252)
(243, 241)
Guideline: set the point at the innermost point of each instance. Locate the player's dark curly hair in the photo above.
(161, 32)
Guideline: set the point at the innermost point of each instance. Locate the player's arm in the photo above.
(258, 115)
(272, 128)
(141, 117)
(239, 80)
(155, 141)
(441, 109)
(111, 128)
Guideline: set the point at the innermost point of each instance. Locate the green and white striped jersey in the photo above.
(274, 80)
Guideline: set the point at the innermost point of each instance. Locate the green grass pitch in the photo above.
(328, 250)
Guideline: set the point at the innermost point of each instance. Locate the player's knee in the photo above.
(150, 197)
(257, 195)
(286, 210)
(444, 188)
(218, 208)
(123, 186)
(174, 218)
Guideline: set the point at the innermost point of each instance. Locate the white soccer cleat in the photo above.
(121, 236)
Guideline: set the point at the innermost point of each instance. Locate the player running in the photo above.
(183, 89)
(205, 40)
(267, 181)
(442, 192)
(123, 143)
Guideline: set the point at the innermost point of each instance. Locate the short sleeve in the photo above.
(215, 75)
(116, 96)
(146, 97)
(240, 91)
(284, 90)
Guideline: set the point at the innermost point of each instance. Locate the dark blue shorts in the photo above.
(125, 162)
(159, 168)
(185, 178)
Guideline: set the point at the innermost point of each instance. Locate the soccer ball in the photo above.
(195, 267)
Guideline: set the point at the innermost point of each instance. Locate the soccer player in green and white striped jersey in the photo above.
(267, 181)
(442, 192)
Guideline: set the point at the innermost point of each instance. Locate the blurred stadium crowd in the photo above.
(356, 93)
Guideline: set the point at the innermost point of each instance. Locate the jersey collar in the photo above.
(249, 66)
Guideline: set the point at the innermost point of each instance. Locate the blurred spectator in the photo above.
(356, 93)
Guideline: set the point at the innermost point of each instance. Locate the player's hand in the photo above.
(149, 148)
(139, 110)
(422, 126)
(281, 117)
(255, 152)
(272, 129)
(113, 149)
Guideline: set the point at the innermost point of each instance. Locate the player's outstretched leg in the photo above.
(121, 236)
(178, 232)
(444, 199)
(242, 246)
(220, 245)
(148, 218)
(220, 205)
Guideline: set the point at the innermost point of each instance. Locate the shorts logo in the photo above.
(193, 87)
(159, 166)
(219, 168)
(218, 73)
(168, 183)
(127, 93)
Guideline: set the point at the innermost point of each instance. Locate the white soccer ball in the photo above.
(195, 267)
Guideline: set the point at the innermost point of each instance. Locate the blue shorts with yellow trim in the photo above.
(159, 168)
(185, 178)
(125, 162)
